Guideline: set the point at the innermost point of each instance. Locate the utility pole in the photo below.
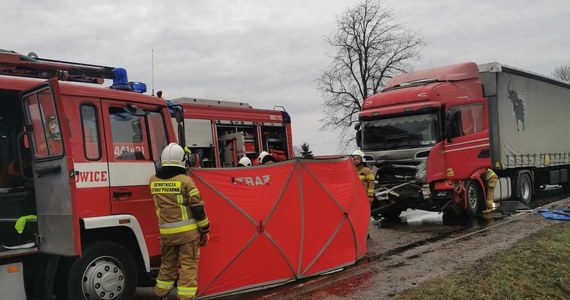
(152, 59)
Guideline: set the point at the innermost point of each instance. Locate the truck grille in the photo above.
(395, 172)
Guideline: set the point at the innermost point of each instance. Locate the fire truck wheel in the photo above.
(105, 271)
(474, 198)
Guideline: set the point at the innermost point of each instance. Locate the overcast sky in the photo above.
(270, 53)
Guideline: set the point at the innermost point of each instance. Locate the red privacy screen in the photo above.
(277, 223)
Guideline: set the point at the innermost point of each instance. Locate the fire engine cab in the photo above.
(76, 215)
(221, 132)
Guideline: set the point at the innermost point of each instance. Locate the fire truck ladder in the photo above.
(15, 64)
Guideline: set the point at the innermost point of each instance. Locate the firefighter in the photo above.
(364, 173)
(244, 162)
(490, 179)
(265, 158)
(183, 224)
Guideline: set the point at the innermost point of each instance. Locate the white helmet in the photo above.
(173, 156)
(245, 161)
(262, 155)
(359, 153)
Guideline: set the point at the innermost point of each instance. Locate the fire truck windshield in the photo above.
(400, 132)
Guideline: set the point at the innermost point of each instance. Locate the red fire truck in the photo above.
(222, 132)
(78, 157)
(431, 134)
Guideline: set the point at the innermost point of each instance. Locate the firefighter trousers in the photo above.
(178, 262)
(491, 184)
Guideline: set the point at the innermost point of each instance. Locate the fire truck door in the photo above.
(52, 163)
(466, 148)
(136, 137)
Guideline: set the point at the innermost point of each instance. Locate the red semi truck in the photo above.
(431, 134)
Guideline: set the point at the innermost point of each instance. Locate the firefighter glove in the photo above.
(204, 238)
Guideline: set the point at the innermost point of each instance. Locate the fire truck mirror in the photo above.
(178, 115)
(359, 138)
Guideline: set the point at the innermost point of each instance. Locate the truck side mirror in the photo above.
(358, 135)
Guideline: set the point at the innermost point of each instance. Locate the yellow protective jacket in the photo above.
(367, 178)
(179, 209)
(488, 174)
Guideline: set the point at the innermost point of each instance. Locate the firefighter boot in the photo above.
(490, 208)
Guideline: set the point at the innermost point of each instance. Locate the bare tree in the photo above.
(371, 47)
(562, 72)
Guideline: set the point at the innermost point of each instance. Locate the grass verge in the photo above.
(535, 268)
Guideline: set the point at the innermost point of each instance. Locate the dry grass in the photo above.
(535, 268)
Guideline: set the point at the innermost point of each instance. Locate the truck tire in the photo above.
(105, 271)
(473, 199)
(524, 188)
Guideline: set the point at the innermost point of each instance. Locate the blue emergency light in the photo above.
(121, 82)
(138, 87)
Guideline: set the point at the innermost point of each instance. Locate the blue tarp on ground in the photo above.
(556, 214)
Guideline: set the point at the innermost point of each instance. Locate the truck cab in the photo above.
(425, 132)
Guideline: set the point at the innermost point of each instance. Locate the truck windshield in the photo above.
(400, 132)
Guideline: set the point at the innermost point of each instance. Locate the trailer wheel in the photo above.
(474, 198)
(524, 188)
(105, 271)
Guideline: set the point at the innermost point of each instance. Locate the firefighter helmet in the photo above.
(359, 153)
(173, 156)
(245, 161)
(264, 157)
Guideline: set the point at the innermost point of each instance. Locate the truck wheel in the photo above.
(473, 197)
(524, 188)
(105, 271)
